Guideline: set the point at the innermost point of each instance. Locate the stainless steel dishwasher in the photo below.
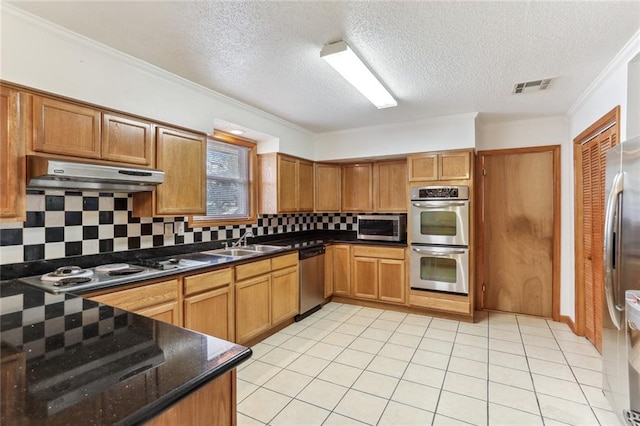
(311, 280)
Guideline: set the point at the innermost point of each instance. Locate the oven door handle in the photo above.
(439, 204)
(446, 253)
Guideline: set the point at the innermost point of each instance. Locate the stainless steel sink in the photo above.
(236, 252)
(262, 248)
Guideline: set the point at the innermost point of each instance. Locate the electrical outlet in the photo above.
(180, 228)
(168, 229)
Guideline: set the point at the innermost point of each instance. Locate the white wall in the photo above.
(633, 98)
(538, 132)
(452, 132)
(38, 54)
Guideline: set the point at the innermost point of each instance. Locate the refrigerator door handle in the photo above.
(611, 250)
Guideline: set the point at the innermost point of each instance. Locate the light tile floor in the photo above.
(350, 365)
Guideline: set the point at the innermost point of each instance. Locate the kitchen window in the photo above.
(230, 189)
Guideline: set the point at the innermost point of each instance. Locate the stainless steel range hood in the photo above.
(51, 173)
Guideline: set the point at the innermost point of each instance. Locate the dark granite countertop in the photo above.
(86, 363)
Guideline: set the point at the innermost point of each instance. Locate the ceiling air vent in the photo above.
(531, 86)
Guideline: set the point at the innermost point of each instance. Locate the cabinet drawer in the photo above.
(144, 296)
(447, 305)
(380, 252)
(252, 269)
(206, 281)
(284, 261)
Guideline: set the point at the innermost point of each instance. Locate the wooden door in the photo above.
(65, 128)
(127, 140)
(182, 156)
(392, 280)
(253, 307)
(591, 220)
(519, 230)
(167, 312)
(327, 187)
(328, 272)
(357, 188)
(342, 270)
(209, 313)
(12, 159)
(287, 184)
(305, 186)
(365, 277)
(284, 295)
(454, 165)
(390, 187)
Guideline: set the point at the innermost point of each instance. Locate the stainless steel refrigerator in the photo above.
(621, 319)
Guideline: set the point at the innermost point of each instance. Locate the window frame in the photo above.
(209, 221)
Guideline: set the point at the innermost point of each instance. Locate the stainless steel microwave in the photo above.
(391, 227)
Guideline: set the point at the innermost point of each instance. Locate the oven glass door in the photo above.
(440, 268)
(440, 222)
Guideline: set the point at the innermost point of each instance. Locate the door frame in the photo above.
(589, 133)
(555, 261)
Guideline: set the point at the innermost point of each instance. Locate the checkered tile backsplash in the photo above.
(61, 224)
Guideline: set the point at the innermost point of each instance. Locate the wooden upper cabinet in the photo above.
(72, 129)
(423, 167)
(286, 184)
(182, 156)
(451, 165)
(328, 185)
(127, 140)
(65, 128)
(390, 186)
(12, 159)
(455, 165)
(357, 187)
(305, 186)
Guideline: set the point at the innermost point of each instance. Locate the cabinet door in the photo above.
(305, 186)
(127, 140)
(327, 187)
(423, 167)
(65, 128)
(390, 187)
(357, 188)
(391, 278)
(328, 272)
(12, 159)
(140, 297)
(365, 277)
(342, 270)
(287, 184)
(209, 313)
(455, 165)
(284, 295)
(253, 307)
(167, 312)
(182, 156)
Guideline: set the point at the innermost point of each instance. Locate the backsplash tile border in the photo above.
(70, 223)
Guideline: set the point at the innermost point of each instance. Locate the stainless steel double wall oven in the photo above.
(439, 238)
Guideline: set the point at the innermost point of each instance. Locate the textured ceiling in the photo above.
(437, 58)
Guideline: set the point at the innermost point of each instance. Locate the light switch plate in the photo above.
(168, 229)
(179, 228)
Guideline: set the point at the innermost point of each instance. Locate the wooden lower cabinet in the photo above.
(342, 270)
(328, 272)
(379, 273)
(284, 295)
(158, 300)
(208, 303)
(253, 307)
(214, 404)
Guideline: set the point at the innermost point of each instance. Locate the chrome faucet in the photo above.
(242, 240)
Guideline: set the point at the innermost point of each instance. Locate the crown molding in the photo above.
(626, 54)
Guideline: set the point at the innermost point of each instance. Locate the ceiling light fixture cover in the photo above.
(344, 60)
(237, 132)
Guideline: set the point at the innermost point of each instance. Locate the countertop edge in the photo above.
(167, 401)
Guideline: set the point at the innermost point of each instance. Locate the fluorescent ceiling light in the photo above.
(340, 56)
(237, 132)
